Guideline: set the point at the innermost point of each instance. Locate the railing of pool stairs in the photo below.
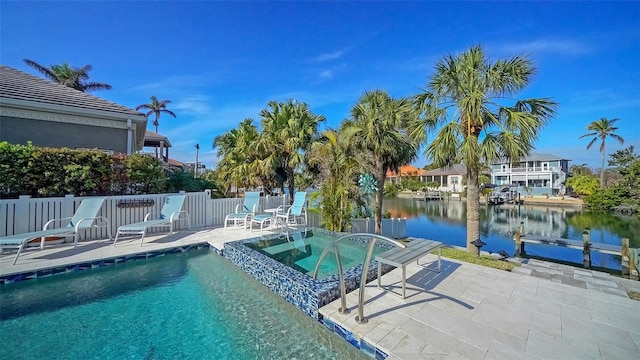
(365, 269)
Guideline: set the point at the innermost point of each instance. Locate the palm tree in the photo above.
(377, 123)
(241, 156)
(64, 74)
(156, 107)
(463, 99)
(289, 128)
(338, 168)
(582, 169)
(601, 129)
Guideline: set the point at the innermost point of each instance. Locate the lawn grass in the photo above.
(635, 295)
(484, 260)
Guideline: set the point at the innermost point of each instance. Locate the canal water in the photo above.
(445, 221)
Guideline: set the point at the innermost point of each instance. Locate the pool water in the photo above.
(301, 251)
(193, 305)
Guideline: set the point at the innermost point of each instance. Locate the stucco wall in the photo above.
(57, 134)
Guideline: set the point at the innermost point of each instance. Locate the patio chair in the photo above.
(297, 211)
(167, 217)
(245, 211)
(84, 218)
(263, 220)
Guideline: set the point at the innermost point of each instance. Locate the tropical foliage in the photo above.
(581, 169)
(625, 194)
(378, 126)
(179, 180)
(464, 99)
(73, 77)
(156, 107)
(45, 172)
(288, 129)
(241, 156)
(583, 185)
(337, 194)
(600, 130)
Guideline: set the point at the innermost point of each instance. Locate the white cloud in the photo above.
(329, 56)
(170, 84)
(197, 105)
(326, 74)
(566, 47)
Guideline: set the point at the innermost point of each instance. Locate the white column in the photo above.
(129, 137)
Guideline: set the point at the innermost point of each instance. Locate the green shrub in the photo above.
(48, 172)
(391, 190)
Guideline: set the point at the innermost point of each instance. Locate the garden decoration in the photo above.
(368, 186)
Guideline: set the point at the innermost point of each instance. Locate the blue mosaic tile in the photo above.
(44, 273)
(368, 348)
(85, 266)
(72, 268)
(109, 262)
(56, 271)
(381, 355)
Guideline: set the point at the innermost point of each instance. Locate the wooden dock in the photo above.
(428, 195)
(573, 244)
(630, 261)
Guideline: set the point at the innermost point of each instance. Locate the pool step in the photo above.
(280, 248)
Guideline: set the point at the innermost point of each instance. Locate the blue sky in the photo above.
(221, 62)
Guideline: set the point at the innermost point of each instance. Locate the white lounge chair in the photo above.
(167, 217)
(291, 215)
(245, 211)
(84, 218)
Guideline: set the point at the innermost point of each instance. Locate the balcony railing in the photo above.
(528, 170)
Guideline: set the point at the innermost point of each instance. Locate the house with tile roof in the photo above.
(448, 178)
(53, 115)
(539, 173)
(407, 171)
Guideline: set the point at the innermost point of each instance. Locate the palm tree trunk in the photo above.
(292, 187)
(602, 170)
(473, 204)
(379, 195)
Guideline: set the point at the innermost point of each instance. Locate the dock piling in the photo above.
(633, 264)
(586, 248)
(624, 252)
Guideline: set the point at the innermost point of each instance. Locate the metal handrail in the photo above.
(365, 269)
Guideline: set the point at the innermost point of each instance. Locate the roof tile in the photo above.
(15, 84)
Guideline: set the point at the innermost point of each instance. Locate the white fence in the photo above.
(27, 214)
(392, 228)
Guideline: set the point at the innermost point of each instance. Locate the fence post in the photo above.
(586, 248)
(208, 208)
(21, 219)
(68, 208)
(625, 258)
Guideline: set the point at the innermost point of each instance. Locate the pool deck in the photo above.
(540, 311)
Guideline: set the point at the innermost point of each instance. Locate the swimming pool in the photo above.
(302, 250)
(192, 305)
